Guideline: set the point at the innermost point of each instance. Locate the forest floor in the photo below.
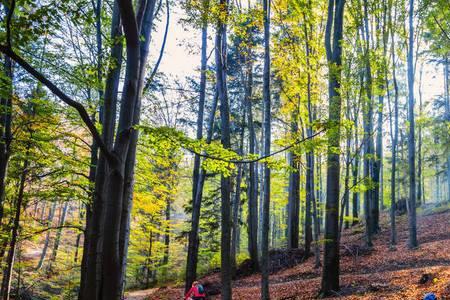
(380, 273)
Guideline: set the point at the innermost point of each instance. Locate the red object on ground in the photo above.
(193, 293)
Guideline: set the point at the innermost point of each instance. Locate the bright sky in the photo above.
(177, 59)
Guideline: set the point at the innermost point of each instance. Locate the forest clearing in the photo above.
(224, 149)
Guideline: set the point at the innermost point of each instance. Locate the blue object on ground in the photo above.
(430, 296)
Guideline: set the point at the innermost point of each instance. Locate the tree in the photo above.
(266, 145)
(197, 184)
(333, 46)
(225, 181)
(412, 241)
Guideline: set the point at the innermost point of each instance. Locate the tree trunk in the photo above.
(253, 172)
(334, 27)
(91, 259)
(419, 146)
(370, 203)
(193, 244)
(447, 118)
(237, 198)
(9, 264)
(225, 181)
(5, 132)
(267, 137)
(310, 187)
(197, 187)
(145, 34)
(294, 192)
(412, 241)
(167, 233)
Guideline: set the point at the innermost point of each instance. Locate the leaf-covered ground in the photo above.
(381, 273)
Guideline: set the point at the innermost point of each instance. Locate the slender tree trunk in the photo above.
(267, 137)
(378, 163)
(237, 199)
(412, 241)
(320, 212)
(9, 264)
(346, 198)
(310, 196)
(370, 203)
(294, 192)
(5, 131)
(253, 172)
(394, 137)
(419, 147)
(197, 188)
(334, 27)
(167, 233)
(191, 264)
(225, 181)
(447, 117)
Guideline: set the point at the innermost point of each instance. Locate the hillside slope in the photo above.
(381, 273)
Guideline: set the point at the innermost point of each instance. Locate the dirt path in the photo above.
(140, 295)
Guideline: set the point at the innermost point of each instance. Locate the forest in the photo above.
(264, 149)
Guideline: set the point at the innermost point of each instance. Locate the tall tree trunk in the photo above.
(237, 197)
(355, 167)
(447, 118)
(191, 263)
(167, 233)
(91, 259)
(9, 264)
(370, 203)
(253, 172)
(294, 192)
(147, 9)
(320, 213)
(378, 163)
(5, 131)
(266, 145)
(394, 136)
(334, 27)
(310, 187)
(225, 181)
(419, 146)
(412, 241)
(197, 184)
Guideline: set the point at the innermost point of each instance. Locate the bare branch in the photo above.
(249, 161)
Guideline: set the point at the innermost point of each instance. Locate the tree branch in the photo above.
(249, 161)
(161, 52)
(80, 228)
(445, 33)
(61, 95)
